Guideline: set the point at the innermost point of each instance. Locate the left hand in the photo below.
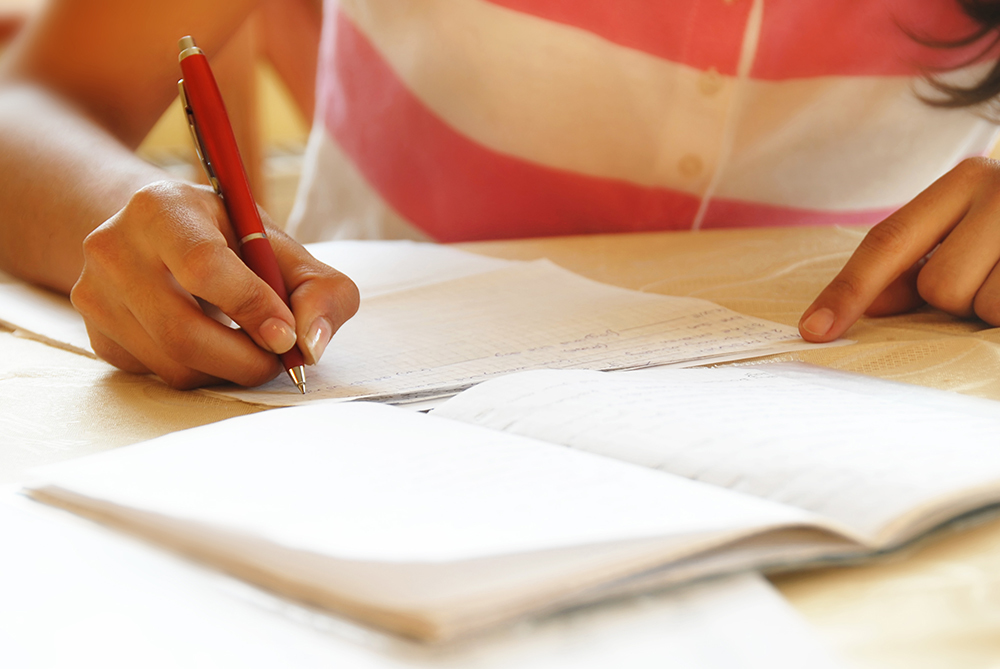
(894, 270)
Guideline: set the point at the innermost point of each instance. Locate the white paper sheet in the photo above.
(75, 594)
(435, 320)
(379, 267)
(368, 482)
(860, 450)
(441, 338)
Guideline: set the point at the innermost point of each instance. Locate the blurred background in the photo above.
(270, 103)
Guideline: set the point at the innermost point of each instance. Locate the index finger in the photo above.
(891, 248)
(192, 244)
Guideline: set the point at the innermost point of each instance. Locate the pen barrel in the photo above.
(259, 256)
(292, 358)
(222, 154)
(219, 142)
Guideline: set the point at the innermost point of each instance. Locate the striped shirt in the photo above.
(482, 119)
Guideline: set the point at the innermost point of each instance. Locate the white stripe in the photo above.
(748, 51)
(845, 143)
(565, 98)
(334, 201)
(552, 94)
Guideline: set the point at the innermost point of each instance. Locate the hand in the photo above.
(172, 243)
(941, 249)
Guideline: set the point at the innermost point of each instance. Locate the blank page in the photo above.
(861, 451)
(369, 482)
(104, 596)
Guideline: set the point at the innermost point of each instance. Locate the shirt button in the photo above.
(690, 165)
(710, 81)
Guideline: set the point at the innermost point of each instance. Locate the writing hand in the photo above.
(894, 270)
(145, 266)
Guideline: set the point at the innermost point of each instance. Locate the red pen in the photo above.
(216, 146)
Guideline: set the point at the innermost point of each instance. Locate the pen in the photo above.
(216, 147)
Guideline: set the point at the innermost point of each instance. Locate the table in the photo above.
(935, 605)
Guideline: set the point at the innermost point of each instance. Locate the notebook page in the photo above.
(109, 597)
(863, 458)
(444, 337)
(369, 482)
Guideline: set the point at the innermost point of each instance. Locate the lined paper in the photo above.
(439, 339)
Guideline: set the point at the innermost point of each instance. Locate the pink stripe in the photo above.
(799, 38)
(663, 29)
(456, 189)
(740, 214)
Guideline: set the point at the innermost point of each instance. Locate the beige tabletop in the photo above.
(935, 605)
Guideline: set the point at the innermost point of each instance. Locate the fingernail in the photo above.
(277, 334)
(819, 322)
(317, 339)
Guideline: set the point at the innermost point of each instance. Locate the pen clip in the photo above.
(199, 146)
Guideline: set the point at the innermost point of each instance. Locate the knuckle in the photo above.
(846, 287)
(347, 295)
(353, 296)
(151, 197)
(159, 194)
(172, 207)
(91, 303)
(974, 169)
(251, 303)
(199, 264)
(176, 339)
(83, 297)
(101, 246)
(891, 237)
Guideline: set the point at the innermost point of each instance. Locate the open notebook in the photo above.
(547, 489)
(114, 603)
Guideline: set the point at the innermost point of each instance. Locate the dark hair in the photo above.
(986, 15)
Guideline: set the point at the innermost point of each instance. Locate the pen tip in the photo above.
(298, 376)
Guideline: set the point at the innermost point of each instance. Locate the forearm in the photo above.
(62, 176)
